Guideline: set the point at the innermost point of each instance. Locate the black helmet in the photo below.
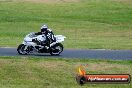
(44, 28)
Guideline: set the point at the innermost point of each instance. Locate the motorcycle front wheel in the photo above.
(56, 49)
(21, 50)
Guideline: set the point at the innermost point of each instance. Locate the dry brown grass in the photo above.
(124, 1)
(33, 72)
(104, 67)
(53, 65)
(62, 1)
(48, 1)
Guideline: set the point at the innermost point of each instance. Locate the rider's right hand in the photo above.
(33, 40)
(36, 41)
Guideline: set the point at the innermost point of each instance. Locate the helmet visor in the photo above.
(43, 29)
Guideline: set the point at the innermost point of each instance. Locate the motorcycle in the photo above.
(32, 44)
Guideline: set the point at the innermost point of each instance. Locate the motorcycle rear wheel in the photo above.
(56, 49)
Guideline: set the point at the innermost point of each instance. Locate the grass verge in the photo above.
(35, 72)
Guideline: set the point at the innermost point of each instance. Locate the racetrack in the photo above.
(70, 53)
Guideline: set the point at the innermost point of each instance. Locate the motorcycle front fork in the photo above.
(29, 49)
(25, 48)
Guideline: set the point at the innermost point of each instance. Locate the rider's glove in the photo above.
(34, 40)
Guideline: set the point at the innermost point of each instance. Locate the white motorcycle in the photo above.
(29, 46)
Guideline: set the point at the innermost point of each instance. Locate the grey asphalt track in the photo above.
(71, 53)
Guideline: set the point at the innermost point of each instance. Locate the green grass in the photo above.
(87, 24)
(34, 72)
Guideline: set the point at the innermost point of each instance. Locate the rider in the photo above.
(49, 35)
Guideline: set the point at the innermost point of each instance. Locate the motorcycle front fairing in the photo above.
(28, 39)
(29, 43)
